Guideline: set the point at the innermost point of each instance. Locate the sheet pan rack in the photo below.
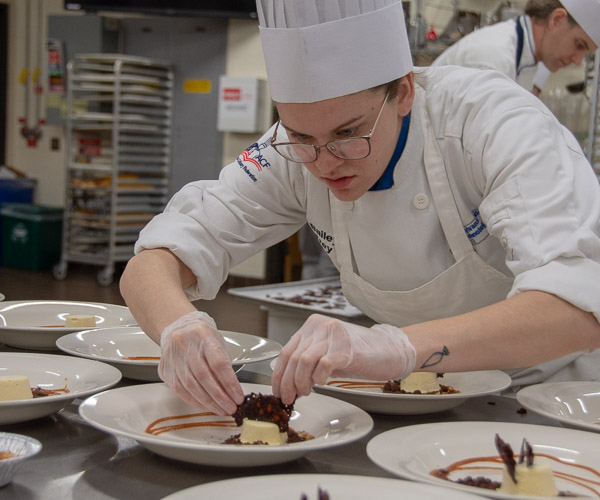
(118, 140)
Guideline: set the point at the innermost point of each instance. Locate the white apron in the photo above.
(454, 291)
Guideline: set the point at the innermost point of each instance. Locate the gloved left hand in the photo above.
(325, 347)
(194, 363)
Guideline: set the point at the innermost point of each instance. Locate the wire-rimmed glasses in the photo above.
(353, 148)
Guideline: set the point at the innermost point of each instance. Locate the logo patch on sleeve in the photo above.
(252, 161)
(476, 230)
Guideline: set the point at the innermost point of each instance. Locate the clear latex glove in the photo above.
(325, 347)
(195, 364)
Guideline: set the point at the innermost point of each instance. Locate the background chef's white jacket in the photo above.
(495, 47)
(506, 155)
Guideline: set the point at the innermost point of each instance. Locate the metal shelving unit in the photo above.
(592, 149)
(118, 139)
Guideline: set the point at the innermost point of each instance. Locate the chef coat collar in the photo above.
(386, 180)
(526, 57)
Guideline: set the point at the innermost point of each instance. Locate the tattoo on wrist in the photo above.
(436, 358)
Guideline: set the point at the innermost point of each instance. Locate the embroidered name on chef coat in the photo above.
(251, 160)
(325, 239)
(476, 229)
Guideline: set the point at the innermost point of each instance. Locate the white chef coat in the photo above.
(405, 307)
(529, 202)
(496, 47)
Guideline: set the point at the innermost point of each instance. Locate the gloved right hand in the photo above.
(325, 347)
(195, 364)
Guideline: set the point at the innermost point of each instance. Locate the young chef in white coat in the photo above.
(555, 33)
(462, 217)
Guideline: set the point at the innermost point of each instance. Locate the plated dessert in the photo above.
(415, 383)
(35, 385)
(518, 478)
(419, 393)
(37, 324)
(264, 419)
(193, 434)
(18, 388)
(80, 321)
(75, 321)
(476, 457)
(14, 388)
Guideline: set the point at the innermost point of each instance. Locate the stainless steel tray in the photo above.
(322, 295)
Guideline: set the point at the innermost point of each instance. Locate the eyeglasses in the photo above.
(353, 148)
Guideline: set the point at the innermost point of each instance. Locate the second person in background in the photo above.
(550, 35)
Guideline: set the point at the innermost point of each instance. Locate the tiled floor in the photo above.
(18, 284)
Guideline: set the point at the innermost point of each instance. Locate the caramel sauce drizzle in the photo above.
(155, 430)
(38, 392)
(52, 392)
(463, 465)
(353, 384)
(142, 358)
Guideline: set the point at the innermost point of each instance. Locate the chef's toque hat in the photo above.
(587, 15)
(320, 49)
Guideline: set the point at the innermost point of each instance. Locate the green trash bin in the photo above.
(31, 235)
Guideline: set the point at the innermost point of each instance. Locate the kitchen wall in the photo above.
(46, 161)
(244, 58)
(43, 162)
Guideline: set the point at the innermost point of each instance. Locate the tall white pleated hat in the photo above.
(587, 15)
(321, 49)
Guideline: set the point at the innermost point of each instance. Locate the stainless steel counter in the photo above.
(79, 462)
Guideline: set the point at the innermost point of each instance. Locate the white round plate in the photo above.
(128, 411)
(2, 297)
(412, 452)
(470, 384)
(35, 324)
(115, 345)
(81, 377)
(573, 404)
(338, 486)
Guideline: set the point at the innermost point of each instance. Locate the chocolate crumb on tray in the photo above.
(328, 297)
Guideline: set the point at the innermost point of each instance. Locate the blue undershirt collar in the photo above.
(520, 42)
(386, 180)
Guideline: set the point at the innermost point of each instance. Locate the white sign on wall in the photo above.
(241, 104)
